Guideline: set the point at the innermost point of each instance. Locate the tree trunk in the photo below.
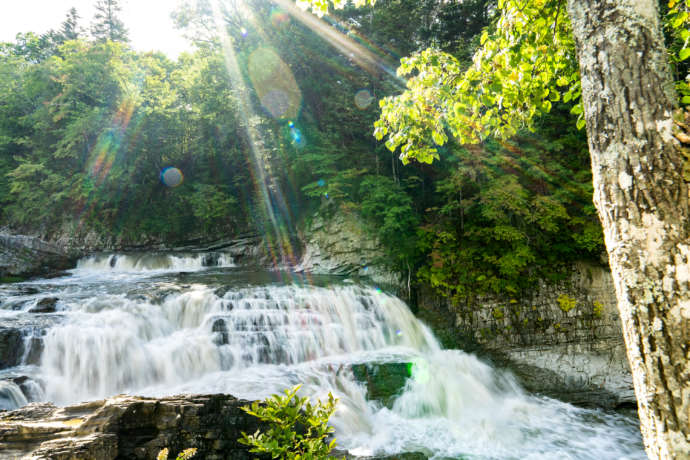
(642, 201)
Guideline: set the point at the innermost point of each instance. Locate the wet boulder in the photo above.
(11, 347)
(220, 330)
(45, 305)
(384, 381)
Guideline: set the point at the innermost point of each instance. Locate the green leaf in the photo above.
(684, 54)
(580, 123)
(437, 137)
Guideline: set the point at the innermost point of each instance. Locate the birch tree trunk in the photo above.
(643, 205)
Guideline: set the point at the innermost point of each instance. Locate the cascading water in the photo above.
(158, 333)
(153, 262)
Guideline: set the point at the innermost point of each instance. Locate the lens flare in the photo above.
(420, 371)
(171, 177)
(279, 18)
(297, 138)
(363, 99)
(274, 84)
(321, 182)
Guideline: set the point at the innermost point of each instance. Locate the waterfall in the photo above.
(218, 332)
(113, 343)
(138, 262)
(11, 396)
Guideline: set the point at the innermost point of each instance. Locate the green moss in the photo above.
(497, 313)
(566, 303)
(10, 279)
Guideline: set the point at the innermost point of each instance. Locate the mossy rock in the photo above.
(384, 381)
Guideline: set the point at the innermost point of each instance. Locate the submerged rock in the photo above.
(45, 305)
(339, 454)
(384, 381)
(11, 347)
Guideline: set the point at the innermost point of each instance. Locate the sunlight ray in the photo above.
(257, 153)
(362, 56)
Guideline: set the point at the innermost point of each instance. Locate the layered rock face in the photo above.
(24, 256)
(342, 245)
(564, 340)
(128, 427)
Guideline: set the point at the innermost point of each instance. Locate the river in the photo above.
(157, 324)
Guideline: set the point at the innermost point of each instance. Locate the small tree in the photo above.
(70, 26)
(297, 429)
(107, 25)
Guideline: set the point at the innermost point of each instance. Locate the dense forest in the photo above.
(261, 129)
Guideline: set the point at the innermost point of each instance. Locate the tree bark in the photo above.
(642, 201)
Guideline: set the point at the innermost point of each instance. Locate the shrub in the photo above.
(296, 428)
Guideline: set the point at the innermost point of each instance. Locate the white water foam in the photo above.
(153, 262)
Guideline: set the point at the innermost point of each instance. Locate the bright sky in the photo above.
(148, 21)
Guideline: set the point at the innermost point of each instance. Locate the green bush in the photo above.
(297, 429)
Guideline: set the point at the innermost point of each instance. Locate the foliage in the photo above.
(511, 213)
(526, 62)
(297, 429)
(184, 455)
(85, 133)
(678, 27)
(88, 125)
(394, 220)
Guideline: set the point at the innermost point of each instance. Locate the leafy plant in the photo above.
(297, 428)
(184, 455)
(566, 303)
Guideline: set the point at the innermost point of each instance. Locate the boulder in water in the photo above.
(45, 305)
(11, 347)
(336, 453)
(384, 381)
(221, 330)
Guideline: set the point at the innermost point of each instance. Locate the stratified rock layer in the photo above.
(23, 256)
(563, 340)
(128, 427)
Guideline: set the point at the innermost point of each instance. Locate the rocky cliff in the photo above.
(24, 256)
(127, 428)
(341, 244)
(563, 340)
